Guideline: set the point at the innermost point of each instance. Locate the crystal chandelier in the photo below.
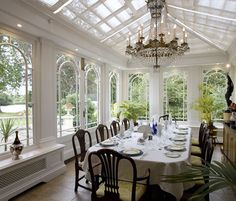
(160, 50)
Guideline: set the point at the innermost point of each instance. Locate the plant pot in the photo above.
(16, 148)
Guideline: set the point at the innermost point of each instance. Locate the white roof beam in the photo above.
(202, 13)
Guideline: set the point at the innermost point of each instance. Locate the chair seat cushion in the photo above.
(195, 141)
(195, 160)
(195, 150)
(125, 190)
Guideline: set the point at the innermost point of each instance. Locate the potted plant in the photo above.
(6, 129)
(217, 175)
(132, 110)
(207, 105)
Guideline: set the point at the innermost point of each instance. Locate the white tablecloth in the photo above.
(154, 158)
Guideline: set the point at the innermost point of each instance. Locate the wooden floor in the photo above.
(62, 188)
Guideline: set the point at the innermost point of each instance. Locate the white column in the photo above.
(154, 92)
(48, 90)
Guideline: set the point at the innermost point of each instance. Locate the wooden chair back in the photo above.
(114, 128)
(109, 161)
(126, 123)
(102, 133)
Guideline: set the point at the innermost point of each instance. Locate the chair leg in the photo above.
(76, 180)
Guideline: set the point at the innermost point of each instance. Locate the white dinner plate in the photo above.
(179, 138)
(179, 143)
(172, 154)
(175, 148)
(108, 143)
(132, 152)
(181, 132)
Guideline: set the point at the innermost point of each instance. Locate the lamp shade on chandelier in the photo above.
(162, 47)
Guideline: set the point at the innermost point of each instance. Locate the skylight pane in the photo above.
(105, 27)
(114, 5)
(114, 22)
(230, 6)
(77, 6)
(205, 3)
(82, 24)
(70, 15)
(102, 11)
(91, 17)
(49, 2)
(137, 4)
(95, 33)
(217, 4)
(124, 15)
(88, 2)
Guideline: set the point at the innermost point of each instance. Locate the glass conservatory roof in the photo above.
(211, 24)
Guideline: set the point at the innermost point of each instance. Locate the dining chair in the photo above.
(102, 133)
(164, 117)
(197, 150)
(209, 149)
(81, 141)
(114, 128)
(196, 141)
(126, 123)
(198, 160)
(106, 183)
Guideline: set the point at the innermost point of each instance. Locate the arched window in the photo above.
(139, 91)
(67, 95)
(91, 95)
(175, 95)
(16, 80)
(113, 94)
(216, 81)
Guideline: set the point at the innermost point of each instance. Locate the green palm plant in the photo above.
(6, 129)
(132, 110)
(217, 175)
(207, 104)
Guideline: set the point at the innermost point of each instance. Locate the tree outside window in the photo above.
(216, 82)
(113, 94)
(91, 99)
(175, 95)
(139, 91)
(16, 105)
(67, 96)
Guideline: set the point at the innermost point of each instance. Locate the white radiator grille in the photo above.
(22, 172)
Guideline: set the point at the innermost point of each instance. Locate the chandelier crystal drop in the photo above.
(163, 47)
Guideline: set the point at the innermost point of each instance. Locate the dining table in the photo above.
(166, 153)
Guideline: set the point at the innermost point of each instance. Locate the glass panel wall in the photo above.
(16, 80)
(216, 82)
(139, 91)
(67, 96)
(175, 95)
(91, 95)
(113, 95)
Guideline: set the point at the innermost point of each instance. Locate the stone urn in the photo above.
(16, 148)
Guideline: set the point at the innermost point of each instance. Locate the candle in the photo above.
(142, 30)
(138, 34)
(161, 26)
(174, 31)
(155, 32)
(129, 37)
(184, 34)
